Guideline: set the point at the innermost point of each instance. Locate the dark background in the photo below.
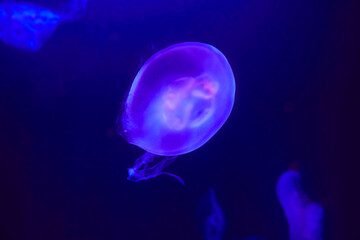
(63, 168)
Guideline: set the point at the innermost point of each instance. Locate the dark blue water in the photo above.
(63, 168)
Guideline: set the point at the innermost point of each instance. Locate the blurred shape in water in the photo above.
(28, 27)
(304, 217)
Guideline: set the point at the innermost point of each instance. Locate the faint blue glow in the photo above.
(131, 172)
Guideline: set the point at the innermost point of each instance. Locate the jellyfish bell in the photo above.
(179, 99)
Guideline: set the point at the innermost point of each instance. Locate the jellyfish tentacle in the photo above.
(175, 176)
(145, 168)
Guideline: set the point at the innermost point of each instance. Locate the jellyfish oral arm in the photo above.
(175, 176)
(145, 169)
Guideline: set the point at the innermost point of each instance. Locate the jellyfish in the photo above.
(304, 216)
(178, 100)
(28, 27)
(214, 225)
